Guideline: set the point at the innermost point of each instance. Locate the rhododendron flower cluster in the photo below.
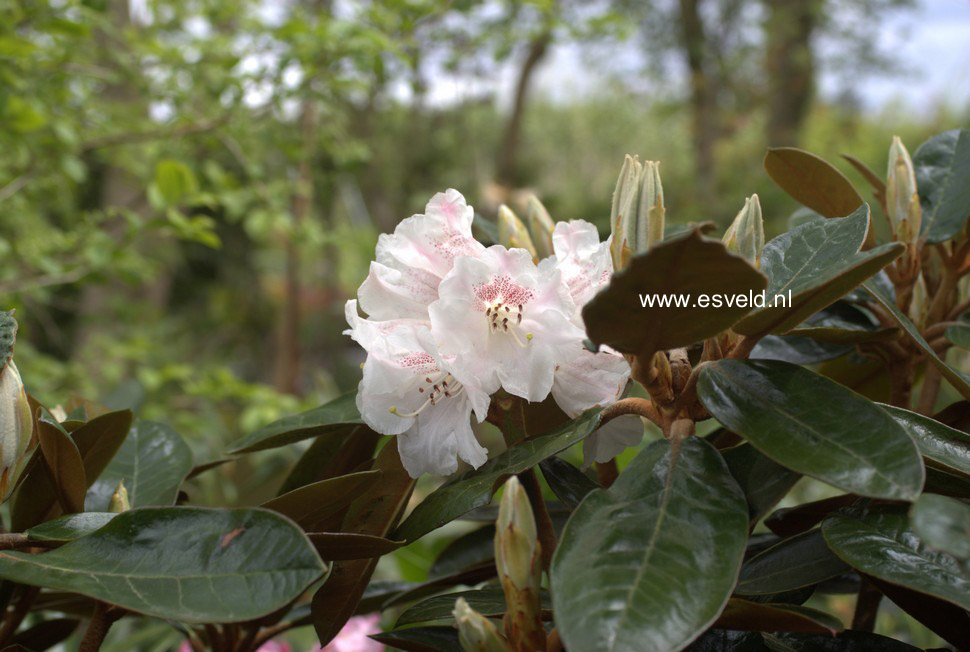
(450, 322)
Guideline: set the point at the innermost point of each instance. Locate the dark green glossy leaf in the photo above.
(97, 441)
(187, 564)
(475, 488)
(70, 527)
(64, 464)
(649, 563)
(488, 602)
(421, 639)
(153, 461)
(339, 414)
(942, 166)
(812, 181)
(754, 616)
(802, 560)
(847, 641)
(812, 266)
(881, 544)
(797, 350)
(333, 454)
(467, 577)
(312, 504)
(942, 446)
(689, 265)
(942, 523)
(566, 481)
(763, 481)
(334, 546)
(813, 425)
(790, 521)
(374, 512)
(8, 336)
(954, 377)
(472, 549)
(947, 484)
(841, 335)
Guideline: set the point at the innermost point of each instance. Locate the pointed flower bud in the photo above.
(637, 215)
(902, 200)
(119, 499)
(623, 213)
(476, 633)
(919, 305)
(515, 536)
(16, 427)
(541, 226)
(512, 232)
(746, 235)
(650, 215)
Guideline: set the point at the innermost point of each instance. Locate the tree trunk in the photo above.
(789, 66)
(703, 102)
(506, 173)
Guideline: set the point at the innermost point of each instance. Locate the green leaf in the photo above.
(794, 563)
(689, 264)
(70, 527)
(942, 166)
(488, 602)
(472, 549)
(847, 641)
(375, 512)
(8, 335)
(566, 481)
(942, 446)
(790, 521)
(811, 267)
(475, 488)
(948, 620)
(959, 336)
(64, 464)
(763, 481)
(339, 414)
(797, 350)
(421, 639)
(339, 546)
(755, 616)
(812, 181)
(649, 563)
(309, 506)
(153, 461)
(174, 181)
(954, 377)
(188, 564)
(881, 544)
(942, 523)
(813, 425)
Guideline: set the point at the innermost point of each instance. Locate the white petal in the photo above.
(589, 380)
(439, 436)
(389, 293)
(612, 439)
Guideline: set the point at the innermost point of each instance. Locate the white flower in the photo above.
(505, 323)
(584, 379)
(407, 390)
(411, 262)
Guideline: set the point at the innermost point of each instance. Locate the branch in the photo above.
(160, 133)
(633, 405)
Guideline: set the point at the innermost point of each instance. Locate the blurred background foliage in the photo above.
(191, 189)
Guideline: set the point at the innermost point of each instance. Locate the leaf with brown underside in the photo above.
(812, 181)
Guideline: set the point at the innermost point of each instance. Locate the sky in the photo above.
(932, 41)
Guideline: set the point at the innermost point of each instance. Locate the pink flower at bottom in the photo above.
(354, 636)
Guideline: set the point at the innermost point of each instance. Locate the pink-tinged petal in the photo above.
(584, 261)
(575, 239)
(612, 439)
(438, 438)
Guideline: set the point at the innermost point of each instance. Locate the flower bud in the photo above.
(746, 235)
(650, 215)
(516, 540)
(119, 499)
(902, 200)
(541, 226)
(919, 305)
(476, 633)
(623, 213)
(512, 232)
(16, 427)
